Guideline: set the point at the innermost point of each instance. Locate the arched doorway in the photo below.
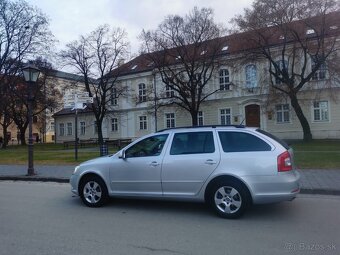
(253, 115)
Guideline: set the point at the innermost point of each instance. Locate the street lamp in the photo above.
(31, 74)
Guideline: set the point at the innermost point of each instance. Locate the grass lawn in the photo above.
(47, 154)
(320, 154)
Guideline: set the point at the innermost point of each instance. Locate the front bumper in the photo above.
(74, 180)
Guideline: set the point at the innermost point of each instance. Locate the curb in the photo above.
(34, 179)
(66, 180)
(320, 192)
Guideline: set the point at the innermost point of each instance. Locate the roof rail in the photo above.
(204, 126)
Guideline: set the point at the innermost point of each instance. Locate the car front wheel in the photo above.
(93, 191)
(228, 199)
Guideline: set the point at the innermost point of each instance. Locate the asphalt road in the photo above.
(44, 218)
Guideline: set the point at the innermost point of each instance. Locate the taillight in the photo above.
(284, 162)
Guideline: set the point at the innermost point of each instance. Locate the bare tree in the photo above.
(97, 55)
(43, 98)
(185, 52)
(24, 34)
(298, 39)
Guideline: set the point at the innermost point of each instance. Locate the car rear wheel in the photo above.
(93, 191)
(228, 199)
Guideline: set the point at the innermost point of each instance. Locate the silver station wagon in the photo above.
(228, 167)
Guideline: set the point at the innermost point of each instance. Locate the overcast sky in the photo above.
(71, 18)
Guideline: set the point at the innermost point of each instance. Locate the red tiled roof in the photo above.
(240, 42)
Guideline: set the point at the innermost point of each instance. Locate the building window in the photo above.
(169, 91)
(113, 96)
(200, 121)
(170, 120)
(282, 66)
(225, 116)
(82, 128)
(114, 124)
(143, 125)
(95, 127)
(69, 128)
(52, 126)
(251, 76)
(224, 79)
(321, 111)
(320, 74)
(142, 92)
(61, 129)
(282, 113)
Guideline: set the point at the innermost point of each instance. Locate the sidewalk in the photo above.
(313, 181)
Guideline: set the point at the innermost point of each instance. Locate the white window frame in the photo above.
(280, 64)
(95, 129)
(170, 119)
(321, 111)
(200, 118)
(113, 97)
(251, 76)
(61, 129)
(142, 92)
(224, 79)
(69, 128)
(114, 124)
(224, 115)
(52, 126)
(82, 125)
(282, 111)
(143, 122)
(320, 74)
(169, 92)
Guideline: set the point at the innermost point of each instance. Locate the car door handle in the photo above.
(154, 163)
(210, 162)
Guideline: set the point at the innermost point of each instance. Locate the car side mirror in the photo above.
(121, 154)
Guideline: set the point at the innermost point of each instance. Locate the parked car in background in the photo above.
(228, 167)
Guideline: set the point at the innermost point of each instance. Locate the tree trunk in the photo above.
(100, 137)
(194, 118)
(5, 140)
(22, 137)
(307, 134)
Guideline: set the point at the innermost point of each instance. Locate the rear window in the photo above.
(242, 142)
(276, 139)
(192, 143)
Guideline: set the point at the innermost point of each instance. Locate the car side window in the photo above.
(242, 142)
(192, 143)
(151, 146)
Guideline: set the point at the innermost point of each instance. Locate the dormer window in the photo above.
(225, 48)
(134, 67)
(178, 57)
(282, 37)
(151, 63)
(310, 31)
(203, 52)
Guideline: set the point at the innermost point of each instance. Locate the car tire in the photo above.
(93, 191)
(228, 199)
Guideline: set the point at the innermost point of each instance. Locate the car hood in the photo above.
(98, 160)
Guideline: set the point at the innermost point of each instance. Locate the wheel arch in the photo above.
(220, 178)
(89, 174)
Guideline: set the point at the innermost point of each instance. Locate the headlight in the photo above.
(76, 169)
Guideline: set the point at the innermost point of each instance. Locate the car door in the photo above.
(188, 162)
(138, 172)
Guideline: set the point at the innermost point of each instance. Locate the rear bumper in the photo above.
(277, 188)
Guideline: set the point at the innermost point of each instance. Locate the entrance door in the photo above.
(252, 115)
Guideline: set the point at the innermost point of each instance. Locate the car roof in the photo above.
(206, 127)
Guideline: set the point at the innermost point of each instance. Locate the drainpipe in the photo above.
(155, 98)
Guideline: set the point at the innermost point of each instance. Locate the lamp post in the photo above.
(31, 74)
